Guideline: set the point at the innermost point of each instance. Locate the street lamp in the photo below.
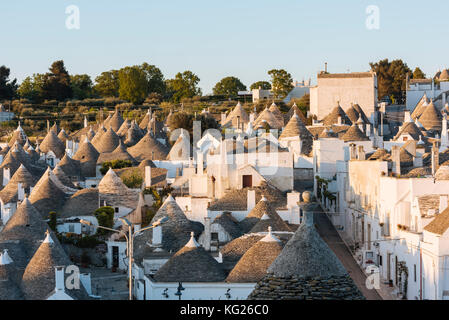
(129, 242)
(180, 288)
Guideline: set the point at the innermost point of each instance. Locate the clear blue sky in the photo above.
(214, 39)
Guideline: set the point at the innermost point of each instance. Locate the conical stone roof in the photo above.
(354, 134)
(38, 280)
(148, 148)
(10, 192)
(263, 208)
(306, 269)
(431, 118)
(190, 264)
(119, 153)
(116, 121)
(253, 265)
(296, 128)
(332, 118)
(27, 226)
(49, 194)
(107, 142)
(51, 142)
(87, 155)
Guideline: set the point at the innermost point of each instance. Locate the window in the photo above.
(379, 259)
(404, 138)
(71, 228)
(116, 209)
(214, 236)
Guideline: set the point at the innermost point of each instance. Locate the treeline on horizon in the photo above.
(146, 83)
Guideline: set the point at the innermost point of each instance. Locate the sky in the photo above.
(215, 39)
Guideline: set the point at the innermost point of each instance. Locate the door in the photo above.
(247, 181)
(115, 257)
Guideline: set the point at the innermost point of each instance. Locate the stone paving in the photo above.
(330, 235)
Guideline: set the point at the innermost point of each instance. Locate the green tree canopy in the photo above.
(418, 74)
(281, 83)
(82, 86)
(107, 84)
(105, 218)
(229, 87)
(57, 83)
(133, 84)
(8, 88)
(31, 88)
(264, 85)
(185, 120)
(391, 78)
(184, 85)
(155, 79)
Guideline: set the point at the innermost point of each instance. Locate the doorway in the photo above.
(115, 257)
(247, 181)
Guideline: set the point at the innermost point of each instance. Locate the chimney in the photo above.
(6, 176)
(443, 203)
(444, 137)
(223, 118)
(85, 122)
(435, 158)
(148, 181)
(251, 117)
(157, 236)
(407, 117)
(396, 159)
(361, 153)
(368, 130)
(207, 233)
(325, 67)
(251, 200)
(59, 279)
(199, 163)
(20, 192)
(352, 151)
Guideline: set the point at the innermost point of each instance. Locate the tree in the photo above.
(8, 88)
(57, 83)
(82, 86)
(264, 85)
(31, 87)
(281, 83)
(418, 74)
(184, 85)
(105, 218)
(229, 87)
(185, 120)
(52, 220)
(391, 78)
(155, 79)
(107, 84)
(133, 85)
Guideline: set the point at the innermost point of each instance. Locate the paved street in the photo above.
(334, 241)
